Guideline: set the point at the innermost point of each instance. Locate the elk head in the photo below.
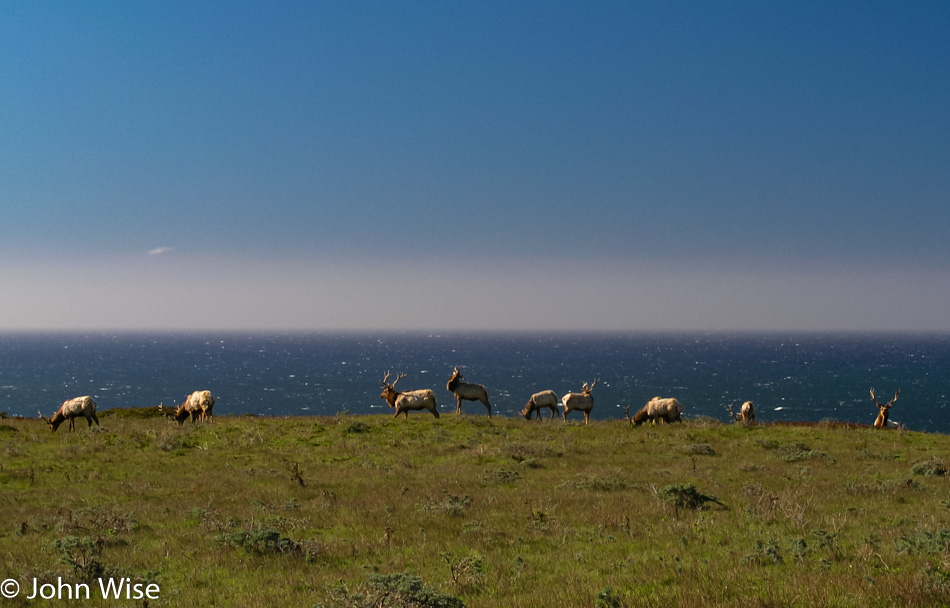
(389, 390)
(883, 409)
(455, 380)
(44, 418)
(55, 422)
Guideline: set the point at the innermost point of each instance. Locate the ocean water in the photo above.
(789, 377)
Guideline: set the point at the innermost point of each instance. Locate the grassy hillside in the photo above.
(326, 511)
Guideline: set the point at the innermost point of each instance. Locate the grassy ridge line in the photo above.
(502, 512)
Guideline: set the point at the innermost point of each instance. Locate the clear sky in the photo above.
(475, 165)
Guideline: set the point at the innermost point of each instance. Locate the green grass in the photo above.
(317, 511)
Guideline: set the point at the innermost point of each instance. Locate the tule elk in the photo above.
(667, 410)
(539, 401)
(465, 391)
(79, 407)
(406, 401)
(746, 413)
(197, 405)
(581, 402)
(881, 422)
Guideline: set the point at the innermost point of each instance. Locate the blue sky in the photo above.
(475, 165)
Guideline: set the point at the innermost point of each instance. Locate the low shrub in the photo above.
(686, 496)
(933, 467)
(390, 591)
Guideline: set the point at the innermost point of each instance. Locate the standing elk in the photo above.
(404, 402)
(539, 401)
(747, 412)
(197, 405)
(883, 411)
(465, 391)
(581, 402)
(668, 410)
(79, 407)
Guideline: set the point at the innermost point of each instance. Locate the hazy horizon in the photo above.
(649, 166)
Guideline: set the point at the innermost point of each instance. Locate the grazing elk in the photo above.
(465, 391)
(539, 401)
(668, 410)
(883, 410)
(80, 407)
(404, 402)
(581, 402)
(746, 413)
(197, 405)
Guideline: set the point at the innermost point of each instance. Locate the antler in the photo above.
(398, 378)
(889, 403)
(385, 383)
(587, 388)
(42, 417)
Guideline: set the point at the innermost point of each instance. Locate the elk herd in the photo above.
(198, 406)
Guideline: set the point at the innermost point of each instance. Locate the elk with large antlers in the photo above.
(80, 407)
(883, 410)
(465, 391)
(581, 402)
(406, 401)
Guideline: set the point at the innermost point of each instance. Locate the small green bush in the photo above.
(390, 591)
(603, 484)
(262, 541)
(686, 496)
(699, 449)
(796, 452)
(930, 468)
(452, 505)
(82, 555)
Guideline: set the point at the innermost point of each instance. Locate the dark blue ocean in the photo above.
(790, 377)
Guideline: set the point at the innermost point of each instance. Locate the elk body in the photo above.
(883, 411)
(668, 410)
(746, 413)
(79, 407)
(465, 391)
(197, 406)
(404, 402)
(539, 401)
(581, 402)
